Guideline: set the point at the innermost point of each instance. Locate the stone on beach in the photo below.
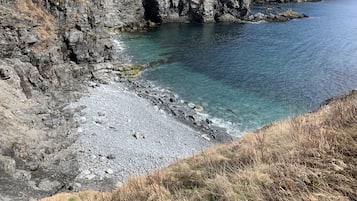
(138, 135)
(90, 177)
(101, 114)
(109, 171)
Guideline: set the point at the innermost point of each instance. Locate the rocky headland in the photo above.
(52, 51)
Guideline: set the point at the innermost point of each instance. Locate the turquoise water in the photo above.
(254, 74)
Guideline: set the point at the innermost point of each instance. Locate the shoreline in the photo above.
(104, 159)
(183, 111)
(122, 134)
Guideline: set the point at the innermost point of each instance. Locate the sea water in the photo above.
(248, 75)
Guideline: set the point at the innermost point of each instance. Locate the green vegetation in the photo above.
(72, 199)
(134, 71)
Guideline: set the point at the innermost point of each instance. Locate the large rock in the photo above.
(276, 15)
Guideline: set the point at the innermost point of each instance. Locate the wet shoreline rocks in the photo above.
(185, 112)
(165, 100)
(271, 16)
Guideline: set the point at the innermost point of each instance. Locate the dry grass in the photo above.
(46, 24)
(82, 196)
(311, 157)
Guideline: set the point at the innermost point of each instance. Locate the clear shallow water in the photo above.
(254, 74)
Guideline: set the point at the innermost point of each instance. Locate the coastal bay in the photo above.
(66, 125)
(249, 75)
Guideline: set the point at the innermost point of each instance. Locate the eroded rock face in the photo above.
(81, 28)
(194, 10)
(35, 130)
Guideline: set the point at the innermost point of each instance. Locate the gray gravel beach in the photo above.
(123, 135)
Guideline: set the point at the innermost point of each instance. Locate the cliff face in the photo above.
(132, 14)
(194, 10)
(46, 53)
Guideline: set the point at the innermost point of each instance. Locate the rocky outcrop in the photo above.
(35, 132)
(38, 77)
(276, 16)
(81, 28)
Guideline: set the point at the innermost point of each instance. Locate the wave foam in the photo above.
(120, 47)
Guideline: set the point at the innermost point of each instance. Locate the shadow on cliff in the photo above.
(152, 11)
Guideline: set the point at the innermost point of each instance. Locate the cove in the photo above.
(248, 75)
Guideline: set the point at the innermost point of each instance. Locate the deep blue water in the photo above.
(254, 74)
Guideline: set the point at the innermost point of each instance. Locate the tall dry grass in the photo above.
(310, 157)
(45, 24)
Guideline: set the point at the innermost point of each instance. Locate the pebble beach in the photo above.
(122, 135)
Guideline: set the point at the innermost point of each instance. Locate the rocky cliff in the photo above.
(136, 13)
(194, 10)
(47, 52)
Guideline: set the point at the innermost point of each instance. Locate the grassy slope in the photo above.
(310, 157)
